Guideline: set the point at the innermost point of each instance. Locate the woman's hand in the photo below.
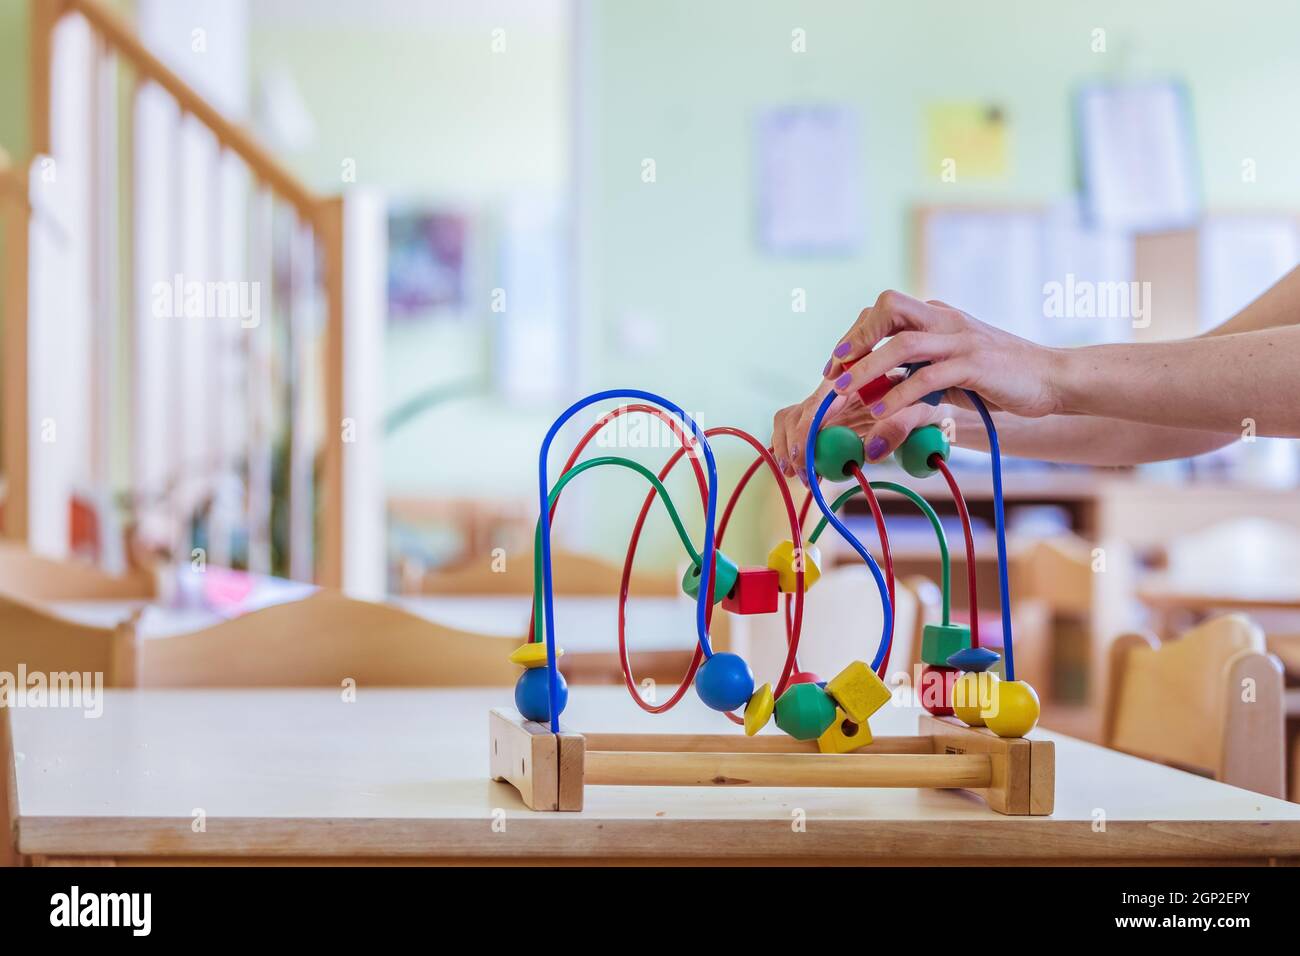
(879, 436)
(1009, 373)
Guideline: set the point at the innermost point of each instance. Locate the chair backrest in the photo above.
(323, 640)
(571, 573)
(36, 642)
(31, 577)
(46, 643)
(1210, 702)
(1058, 572)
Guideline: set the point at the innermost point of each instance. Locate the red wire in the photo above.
(957, 498)
(765, 456)
(888, 557)
(595, 430)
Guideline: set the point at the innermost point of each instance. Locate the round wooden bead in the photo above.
(532, 694)
(971, 693)
(918, 448)
(1013, 709)
(935, 689)
(724, 682)
(837, 449)
(804, 711)
(727, 572)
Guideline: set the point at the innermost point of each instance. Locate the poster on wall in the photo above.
(966, 140)
(809, 180)
(426, 263)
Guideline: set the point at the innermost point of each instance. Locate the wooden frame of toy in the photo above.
(971, 739)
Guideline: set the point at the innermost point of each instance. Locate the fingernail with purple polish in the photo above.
(875, 448)
(783, 464)
(843, 349)
(878, 408)
(843, 380)
(827, 370)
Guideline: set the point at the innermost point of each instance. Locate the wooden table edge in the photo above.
(576, 839)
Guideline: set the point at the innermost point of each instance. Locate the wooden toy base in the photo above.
(549, 771)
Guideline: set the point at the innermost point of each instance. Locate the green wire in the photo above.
(564, 479)
(921, 503)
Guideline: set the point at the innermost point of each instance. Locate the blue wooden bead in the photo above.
(973, 659)
(725, 682)
(532, 694)
(934, 398)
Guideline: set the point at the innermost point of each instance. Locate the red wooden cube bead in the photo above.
(755, 592)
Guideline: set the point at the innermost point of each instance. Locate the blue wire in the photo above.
(810, 444)
(706, 555)
(999, 524)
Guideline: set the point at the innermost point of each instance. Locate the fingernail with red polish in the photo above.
(843, 349)
(843, 380)
(875, 448)
(878, 408)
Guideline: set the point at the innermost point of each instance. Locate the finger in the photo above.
(933, 378)
(904, 347)
(884, 436)
(800, 437)
(892, 313)
(780, 444)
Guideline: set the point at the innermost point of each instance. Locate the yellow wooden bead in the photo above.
(858, 691)
(1013, 708)
(971, 693)
(759, 710)
(844, 735)
(782, 560)
(532, 654)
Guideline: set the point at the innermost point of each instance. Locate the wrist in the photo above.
(1065, 379)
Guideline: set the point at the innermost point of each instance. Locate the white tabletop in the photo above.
(405, 773)
(584, 624)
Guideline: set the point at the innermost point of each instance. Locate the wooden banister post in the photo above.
(350, 232)
(15, 213)
(45, 15)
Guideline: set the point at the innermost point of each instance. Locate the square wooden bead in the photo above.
(755, 592)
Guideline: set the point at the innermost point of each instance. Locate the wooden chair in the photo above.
(571, 573)
(322, 641)
(31, 577)
(1210, 702)
(33, 641)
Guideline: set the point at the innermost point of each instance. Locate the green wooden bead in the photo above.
(837, 448)
(727, 572)
(940, 641)
(918, 448)
(804, 711)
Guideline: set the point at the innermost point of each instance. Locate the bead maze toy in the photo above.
(972, 738)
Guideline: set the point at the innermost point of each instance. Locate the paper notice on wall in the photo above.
(810, 196)
(1137, 156)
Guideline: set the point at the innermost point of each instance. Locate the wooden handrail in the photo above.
(13, 184)
(117, 32)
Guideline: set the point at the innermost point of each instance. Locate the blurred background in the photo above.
(294, 289)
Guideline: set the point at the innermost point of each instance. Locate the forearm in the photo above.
(1222, 384)
(1079, 440)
